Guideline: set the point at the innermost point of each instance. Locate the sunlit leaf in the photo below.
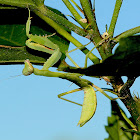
(115, 123)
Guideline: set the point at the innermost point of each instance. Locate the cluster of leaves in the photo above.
(13, 36)
(115, 123)
(126, 57)
(47, 20)
(13, 39)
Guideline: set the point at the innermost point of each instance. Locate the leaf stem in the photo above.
(115, 17)
(74, 13)
(62, 21)
(127, 33)
(87, 8)
(68, 36)
(127, 120)
(130, 130)
(90, 15)
(22, 4)
(79, 8)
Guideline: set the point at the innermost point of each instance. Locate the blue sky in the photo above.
(29, 107)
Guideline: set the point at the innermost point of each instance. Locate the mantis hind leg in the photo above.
(65, 93)
(105, 94)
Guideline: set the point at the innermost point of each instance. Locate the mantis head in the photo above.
(28, 68)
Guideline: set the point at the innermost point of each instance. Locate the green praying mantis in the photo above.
(43, 44)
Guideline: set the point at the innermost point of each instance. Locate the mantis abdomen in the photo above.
(89, 105)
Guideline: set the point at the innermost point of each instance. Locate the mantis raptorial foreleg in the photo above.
(42, 43)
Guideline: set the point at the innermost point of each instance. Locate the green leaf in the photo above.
(127, 56)
(124, 62)
(13, 37)
(115, 123)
